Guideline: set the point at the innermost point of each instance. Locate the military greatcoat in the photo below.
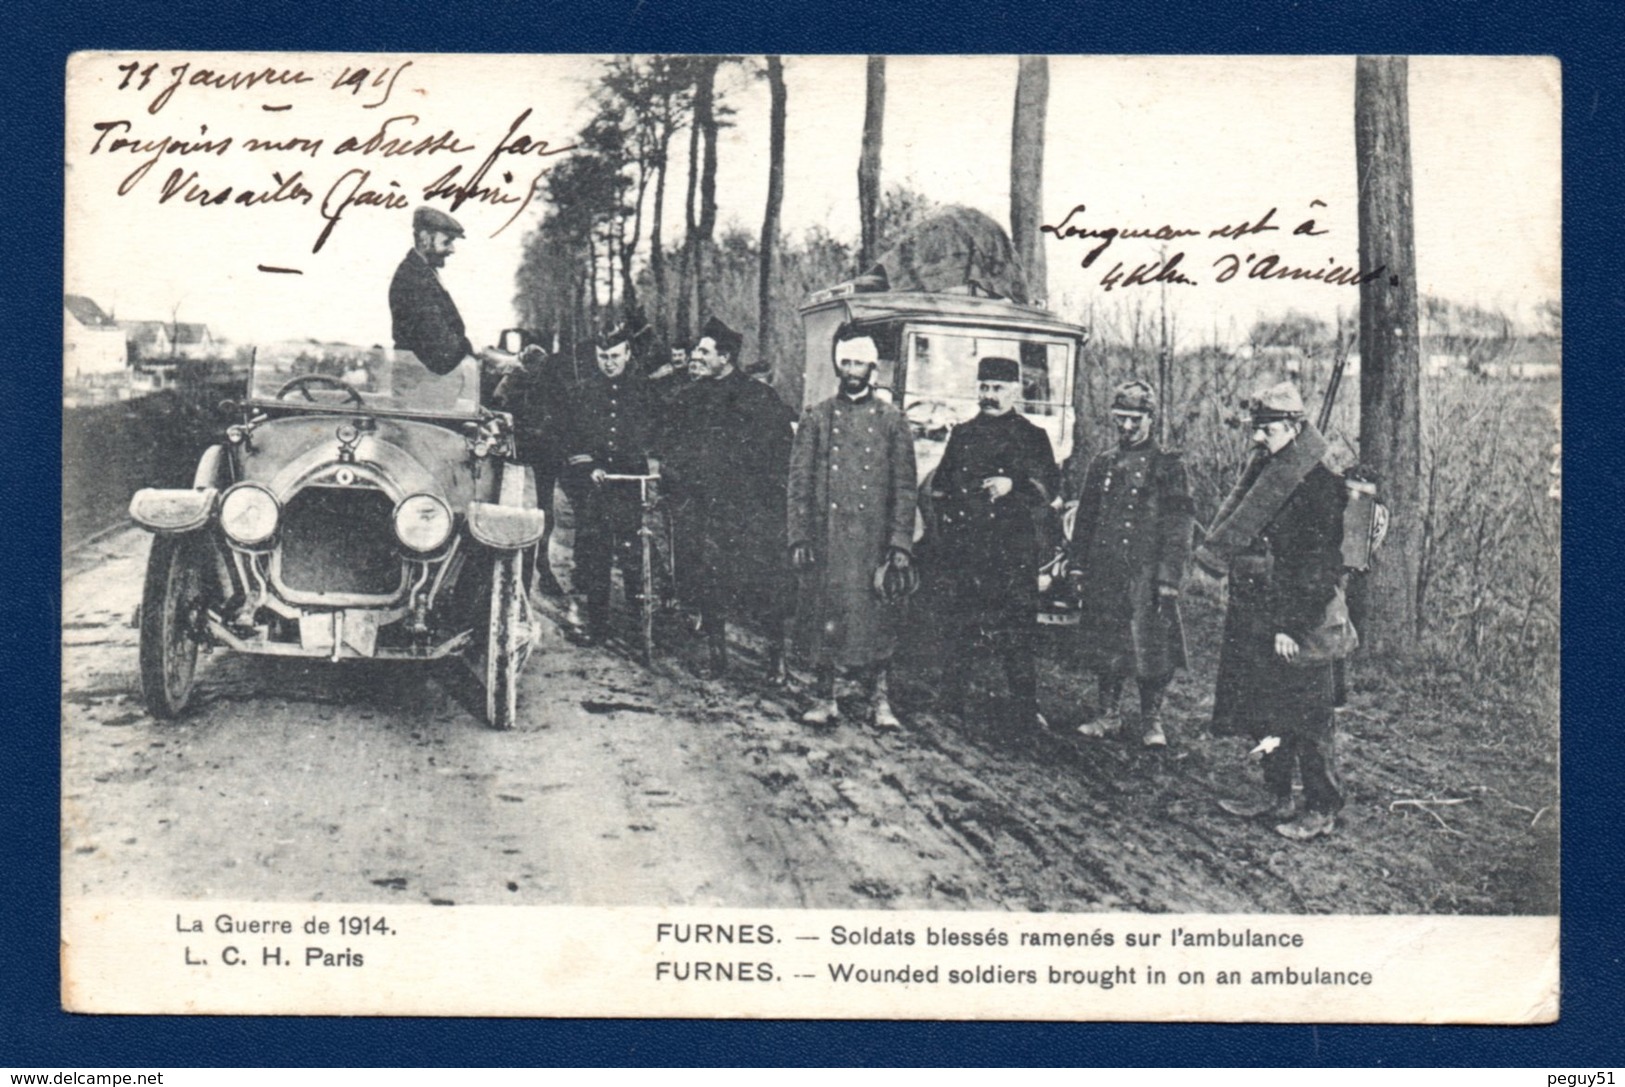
(727, 443)
(852, 494)
(1132, 534)
(989, 547)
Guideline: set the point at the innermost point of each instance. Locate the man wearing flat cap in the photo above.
(610, 431)
(727, 444)
(852, 504)
(422, 315)
(1278, 536)
(1130, 547)
(997, 472)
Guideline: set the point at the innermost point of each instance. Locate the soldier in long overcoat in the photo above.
(1278, 536)
(997, 472)
(727, 439)
(852, 502)
(1130, 548)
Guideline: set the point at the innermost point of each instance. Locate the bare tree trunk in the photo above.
(775, 201)
(874, 118)
(685, 272)
(1390, 354)
(1027, 172)
(705, 119)
(657, 253)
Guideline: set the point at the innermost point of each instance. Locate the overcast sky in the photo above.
(1141, 141)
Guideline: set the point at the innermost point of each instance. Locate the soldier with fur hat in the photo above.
(1128, 556)
(1278, 536)
(997, 472)
(851, 515)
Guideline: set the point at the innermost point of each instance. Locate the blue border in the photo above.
(1587, 37)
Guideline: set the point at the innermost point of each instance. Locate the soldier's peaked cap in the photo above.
(615, 335)
(427, 218)
(1134, 395)
(727, 340)
(994, 368)
(1281, 401)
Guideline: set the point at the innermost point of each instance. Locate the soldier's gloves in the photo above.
(597, 477)
(801, 556)
(1166, 591)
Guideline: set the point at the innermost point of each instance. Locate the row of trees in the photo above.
(601, 254)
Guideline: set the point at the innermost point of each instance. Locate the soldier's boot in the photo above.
(1310, 825)
(826, 710)
(1276, 807)
(1151, 696)
(596, 627)
(716, 646)
(884, 718)
(1108, 718)
(777, 673)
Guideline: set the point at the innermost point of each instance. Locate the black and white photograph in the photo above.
(1068, 537)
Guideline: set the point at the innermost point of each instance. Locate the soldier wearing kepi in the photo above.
(1130, 548)
(1279, 537)
(851, 522)
(727, 443)
(996, 472)
(611, 433)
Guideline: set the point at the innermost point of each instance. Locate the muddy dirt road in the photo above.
(626, 785)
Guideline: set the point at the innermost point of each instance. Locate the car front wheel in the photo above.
(171, 602)
(506, 641)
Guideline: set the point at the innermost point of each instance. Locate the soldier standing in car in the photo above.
(997, 472)
(1129, 554)
(423, 318)
(610, 433)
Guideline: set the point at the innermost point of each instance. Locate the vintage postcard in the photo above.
(1068, 538)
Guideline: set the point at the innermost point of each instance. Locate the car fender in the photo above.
(172, 510)
(213, 469)
(505, 527)
(513, 521)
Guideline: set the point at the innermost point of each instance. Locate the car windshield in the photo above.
(308, 374)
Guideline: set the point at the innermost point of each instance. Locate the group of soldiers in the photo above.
(809, 529)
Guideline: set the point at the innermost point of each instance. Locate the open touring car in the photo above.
(361, 507)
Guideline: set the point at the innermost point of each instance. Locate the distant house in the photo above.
(149, 341)
(93, 344)
(193, 341)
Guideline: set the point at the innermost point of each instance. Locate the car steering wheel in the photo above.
(304, 381)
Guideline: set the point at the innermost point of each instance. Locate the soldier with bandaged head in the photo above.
(852, 500)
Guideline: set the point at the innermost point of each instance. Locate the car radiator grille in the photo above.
(340, 540)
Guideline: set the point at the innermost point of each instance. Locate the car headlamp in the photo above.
(249, 514)
(422, 522)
